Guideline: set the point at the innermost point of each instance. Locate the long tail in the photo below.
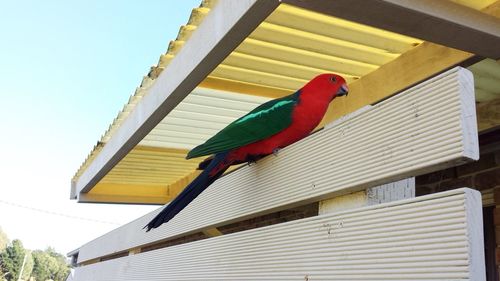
(215, 168)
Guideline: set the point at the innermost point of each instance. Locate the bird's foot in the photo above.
(276, 151)
(252, 162)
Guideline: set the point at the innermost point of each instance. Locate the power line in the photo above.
(55, 213)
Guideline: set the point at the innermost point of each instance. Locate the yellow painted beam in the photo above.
(140, 181)
(488, 114)
(416, 65)
(411, 67)
(212, 232)
(257, 77)
(130, 190)
(154, 156)
(137, 193)
(134, 251)
(315, 42)
(178, 186)
(142, 148)
(475, 4)
(337, 28)
(150, 164)
(227, 77)
(118, 199)
(303, 57)
(155, 166)
(273, 66)
(241, 87)
(146, 171)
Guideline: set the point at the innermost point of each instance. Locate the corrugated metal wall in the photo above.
(428, 127)
(434, 237)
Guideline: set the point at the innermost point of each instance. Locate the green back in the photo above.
(264, 121)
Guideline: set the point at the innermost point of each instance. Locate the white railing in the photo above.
(425, 128)
(433, 237)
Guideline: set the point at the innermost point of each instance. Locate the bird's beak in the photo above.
(342, 91)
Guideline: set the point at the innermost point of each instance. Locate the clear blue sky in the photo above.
(66, 69)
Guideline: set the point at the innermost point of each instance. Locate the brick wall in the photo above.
(296, 213)
(301, 212)
(482, 175)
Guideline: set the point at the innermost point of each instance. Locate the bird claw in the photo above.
(276, 151)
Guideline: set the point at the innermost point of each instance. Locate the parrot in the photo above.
(263, 131)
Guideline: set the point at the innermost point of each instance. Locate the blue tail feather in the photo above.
(195, 188)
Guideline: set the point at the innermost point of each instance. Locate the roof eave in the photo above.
(228, 24)
(223, 29)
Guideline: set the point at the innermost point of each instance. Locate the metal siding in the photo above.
(200, 116)
(434, 237)
(425, 128)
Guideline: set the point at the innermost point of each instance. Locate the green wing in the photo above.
(264, 121)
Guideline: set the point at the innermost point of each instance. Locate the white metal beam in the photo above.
(224, 28)
(435, 237)
(443, 22)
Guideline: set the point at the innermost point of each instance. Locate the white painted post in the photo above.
(394, 191)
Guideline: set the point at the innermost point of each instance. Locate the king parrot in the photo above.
(269, 127)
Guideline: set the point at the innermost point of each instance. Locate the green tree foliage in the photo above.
(11, 260)
(49, 264)
(42, 265)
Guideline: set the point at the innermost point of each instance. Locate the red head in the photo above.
(327, 86)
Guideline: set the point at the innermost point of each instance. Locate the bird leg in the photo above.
(252, 159)
(276, 151)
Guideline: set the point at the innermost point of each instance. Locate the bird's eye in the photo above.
(333, 79)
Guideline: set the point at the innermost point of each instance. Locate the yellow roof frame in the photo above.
(219, 32)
